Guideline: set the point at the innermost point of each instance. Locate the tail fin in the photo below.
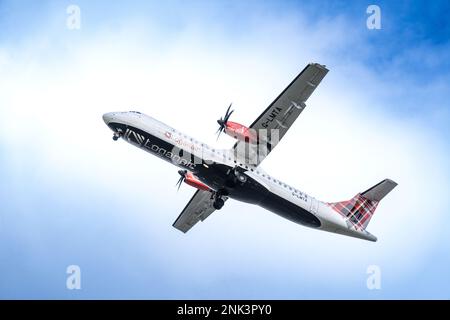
(360, 209)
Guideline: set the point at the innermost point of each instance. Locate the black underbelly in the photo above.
(289, 210)
(253, 192)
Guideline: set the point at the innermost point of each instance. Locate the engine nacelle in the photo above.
(240, 132)
(191, 180)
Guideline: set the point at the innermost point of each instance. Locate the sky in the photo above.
(70, 195)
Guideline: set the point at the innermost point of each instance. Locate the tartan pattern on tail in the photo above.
(357, 210)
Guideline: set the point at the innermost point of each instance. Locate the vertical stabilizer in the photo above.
(360, 209)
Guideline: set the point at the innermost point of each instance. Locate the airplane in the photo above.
(220, 174)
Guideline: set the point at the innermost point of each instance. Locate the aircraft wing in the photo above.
(198, 209)
(276, 120)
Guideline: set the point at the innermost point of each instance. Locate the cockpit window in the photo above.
(137, 112)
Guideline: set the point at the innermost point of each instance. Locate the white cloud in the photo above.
(344, 142)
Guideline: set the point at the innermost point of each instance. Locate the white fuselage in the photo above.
(165, 142)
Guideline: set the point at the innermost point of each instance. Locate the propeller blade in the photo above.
(228, 110)
(220, 122)
(182, 173)
(223, 121)
(180, 181)
(228, 113)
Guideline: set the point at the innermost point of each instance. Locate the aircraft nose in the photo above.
(107, 117)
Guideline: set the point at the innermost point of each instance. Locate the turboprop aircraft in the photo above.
(236, 173)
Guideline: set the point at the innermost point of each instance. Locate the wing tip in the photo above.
(179, 228)
(318, 65)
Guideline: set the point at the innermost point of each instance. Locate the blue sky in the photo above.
(70, 196)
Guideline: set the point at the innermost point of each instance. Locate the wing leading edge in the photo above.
(278, 117)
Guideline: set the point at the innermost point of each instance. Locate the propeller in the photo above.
(222, 122)
(182, 174)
